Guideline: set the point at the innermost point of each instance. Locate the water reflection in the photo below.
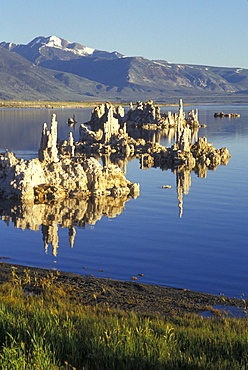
(69, 213)
(183, 178)
(72, 213)
(168, 135)
(149, 237)
(20, 129)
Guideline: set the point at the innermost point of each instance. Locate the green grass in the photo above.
(53, 330)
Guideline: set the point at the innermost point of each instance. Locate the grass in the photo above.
(46, 328)
(22, 104)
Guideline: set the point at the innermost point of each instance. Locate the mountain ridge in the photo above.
(57, 69)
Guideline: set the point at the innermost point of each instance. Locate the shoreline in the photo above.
(21, 104)
(121, 295)
(47, 105)
(16, 104)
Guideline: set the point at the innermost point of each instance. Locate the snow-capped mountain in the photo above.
(57, 42)
(53, 48)
(84, 73)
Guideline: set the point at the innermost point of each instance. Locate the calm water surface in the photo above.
(206, 249)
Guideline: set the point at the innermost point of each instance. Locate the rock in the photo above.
(104, 119)
(45, 193)
(48, 145)
(147, 114)
(151, 153)
(54, 176)
(71, 146)
(71, 121)
(88, 136)
(230, 115)
(63, 170)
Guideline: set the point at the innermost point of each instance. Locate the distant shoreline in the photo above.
(21, 104)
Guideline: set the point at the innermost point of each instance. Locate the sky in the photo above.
(205, 32)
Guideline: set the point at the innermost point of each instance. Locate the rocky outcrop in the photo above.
(105, 133)
(188, 153)
(53, 176)
(148, 115)
(144, 113)
(48, 145)
(104, 123)
(230, 115)
(200, 154)
(107, 121)
(69, 170)
(120, 144)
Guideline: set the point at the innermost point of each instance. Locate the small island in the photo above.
(69, 169)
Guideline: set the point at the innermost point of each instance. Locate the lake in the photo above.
(199, 242)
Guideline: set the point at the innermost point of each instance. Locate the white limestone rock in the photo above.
(48, 146)
(52, 176)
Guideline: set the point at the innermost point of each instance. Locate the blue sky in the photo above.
(210, 32)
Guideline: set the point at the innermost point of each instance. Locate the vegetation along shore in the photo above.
(59, 320)
(22, 104)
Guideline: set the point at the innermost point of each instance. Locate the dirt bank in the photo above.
(128, 296)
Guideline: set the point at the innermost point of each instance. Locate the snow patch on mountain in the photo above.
(36, 42)
(8, 45)
(160, 64)
(85, 51)
(54, 42)
(58, 43)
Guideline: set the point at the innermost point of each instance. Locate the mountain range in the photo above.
(51, 68)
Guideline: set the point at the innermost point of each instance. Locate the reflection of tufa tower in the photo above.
(183, 179)
(71, 234)
(50, 235)
(67, 213)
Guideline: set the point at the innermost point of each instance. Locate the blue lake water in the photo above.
(206, 249)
